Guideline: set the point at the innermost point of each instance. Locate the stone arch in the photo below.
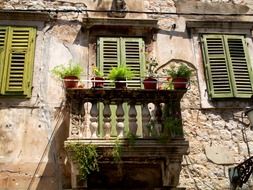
(175, 61)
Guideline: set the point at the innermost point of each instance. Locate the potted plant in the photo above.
(70, 73)
(98, 79)
(179, 76)
(150, 82)
(120, 75)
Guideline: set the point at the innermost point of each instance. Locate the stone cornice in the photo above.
(22, 15)
(173, 148)
(219, 24)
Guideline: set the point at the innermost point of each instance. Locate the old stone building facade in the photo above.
(35, 123)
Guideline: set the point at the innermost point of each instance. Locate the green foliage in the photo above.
(131, 138)
(172, 127)
(71, 69)
(97, 72)
(86, 157)
(181, 71)
(119, 73)
(116, 151)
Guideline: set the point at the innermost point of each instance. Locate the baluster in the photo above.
(120, 120)
(107, 119)
(94, 120)
(76, 118)
(158, 118)
(145, 121)
(132, 119)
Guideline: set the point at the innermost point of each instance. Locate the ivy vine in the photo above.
(86, 156)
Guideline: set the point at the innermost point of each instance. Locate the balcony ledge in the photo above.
(137, 96)
(141, 148)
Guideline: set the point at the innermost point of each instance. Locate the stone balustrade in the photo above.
(143, 124)
(112, 117)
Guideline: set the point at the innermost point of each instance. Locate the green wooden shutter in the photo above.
(239, 66)
(113, 52)
(108, 55)
(3, 39)
(19, 61)
(216, 66)
(133, 57)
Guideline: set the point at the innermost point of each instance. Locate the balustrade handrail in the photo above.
(126, 95)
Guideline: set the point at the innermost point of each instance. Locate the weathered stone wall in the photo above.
(32, 131)
(216, 135)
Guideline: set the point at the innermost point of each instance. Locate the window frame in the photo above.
(15, 43)
(207, 26)
(121, 43)
(237, 86)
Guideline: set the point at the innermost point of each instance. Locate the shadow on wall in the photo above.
(53, 172)
(174, 33)
(56, 172)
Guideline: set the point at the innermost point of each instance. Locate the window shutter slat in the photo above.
(16, 72)
(240, 67)
(109, 56)
(219, 84)
(3, 35)
(133, 56)
(19, 62)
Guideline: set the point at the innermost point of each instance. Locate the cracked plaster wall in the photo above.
(29, 157)
(32, 131)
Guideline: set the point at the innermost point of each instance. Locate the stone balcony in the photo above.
(135, 119)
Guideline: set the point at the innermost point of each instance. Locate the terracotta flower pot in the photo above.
(120, 84)
(180, 83)
(150, 83)
(71, 82)
(98, 83)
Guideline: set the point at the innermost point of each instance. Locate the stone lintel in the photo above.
(24, 15)
(138, 23)
(219, 24)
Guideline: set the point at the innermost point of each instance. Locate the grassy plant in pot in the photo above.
(120, 75)
(98, 78)
(70, 73)
(150, 82)
(180, 76)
